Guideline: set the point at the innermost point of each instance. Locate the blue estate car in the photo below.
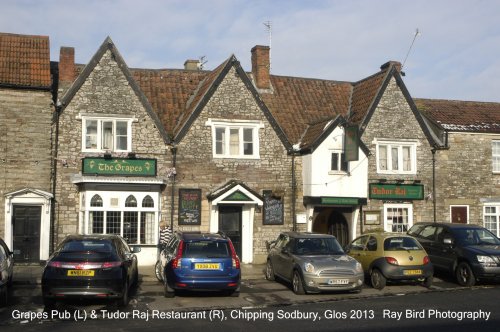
(200, 261)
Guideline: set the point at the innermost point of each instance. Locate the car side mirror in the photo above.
(347, 249)
(270, 245)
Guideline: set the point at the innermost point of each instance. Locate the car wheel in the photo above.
(428, 282)
(235, 293)
(377, 279)
(297, 284)
(464, 275)
(158, 271)
(270, 271)
(123, 301)
(167, 290)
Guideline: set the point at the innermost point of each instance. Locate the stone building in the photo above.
(468, 170)
(104, 148)
(26, 107)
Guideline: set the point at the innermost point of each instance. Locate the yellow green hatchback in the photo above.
(391, 256)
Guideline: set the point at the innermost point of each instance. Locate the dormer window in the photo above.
(106, 134)
(235, 139)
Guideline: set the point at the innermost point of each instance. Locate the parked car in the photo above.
(200, 262)
(469, 252)
(312, 263)
(391, 256)
(90, 266)
(6, 272)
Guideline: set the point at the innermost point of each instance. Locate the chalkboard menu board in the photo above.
(273, 209)
(189, 206)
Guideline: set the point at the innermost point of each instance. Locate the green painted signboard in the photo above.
(397, 191)
(119, 166)
(351, 143)
(340, 200)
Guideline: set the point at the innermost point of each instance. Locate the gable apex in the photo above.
(108, 45)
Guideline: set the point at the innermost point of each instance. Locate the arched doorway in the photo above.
(332, 221)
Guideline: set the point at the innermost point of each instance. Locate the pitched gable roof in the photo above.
(25, 61)
(462, 116)
(296, 103)
(89, 68)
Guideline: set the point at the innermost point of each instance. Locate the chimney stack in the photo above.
(396, 64)
(67, 65)
(192, 65)
(261, 66)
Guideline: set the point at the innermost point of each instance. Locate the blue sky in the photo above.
(456, 55)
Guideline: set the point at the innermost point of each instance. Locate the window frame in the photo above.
(389, 227)
(496, 215)
(495, 158)
(114, 203)
(99, 134)
(242, 127)
(342, 164)
(400, 146)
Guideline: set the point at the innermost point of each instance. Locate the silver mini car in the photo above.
(313, 263)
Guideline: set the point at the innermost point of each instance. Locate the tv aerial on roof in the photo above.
(417, 33)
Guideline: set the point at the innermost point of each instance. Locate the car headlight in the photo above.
(359, 267)
(486, 261)
(308, 267)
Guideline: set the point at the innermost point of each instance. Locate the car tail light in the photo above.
(54, 264)
(107, 265)
(176, 262)
(426, 260)
(236, 260)
(392, 260)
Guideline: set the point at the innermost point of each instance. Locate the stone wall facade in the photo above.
(464, 176)
(394, 120)
(197, 168)
(106, 92)
(25, 145)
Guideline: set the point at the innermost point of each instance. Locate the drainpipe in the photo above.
(172, 201)
(55, 150)
(434, 182)
(294, 194)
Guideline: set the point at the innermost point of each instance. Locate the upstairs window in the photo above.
(101, 135)
(495, 156)
(338, 163)
(232, 139)
(396, 158)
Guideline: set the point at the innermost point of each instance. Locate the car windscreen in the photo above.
(317, 246)
(475, 236)
(206, 249)
(401, 243)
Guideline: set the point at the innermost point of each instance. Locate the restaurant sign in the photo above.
(119, 166)
(396, 191)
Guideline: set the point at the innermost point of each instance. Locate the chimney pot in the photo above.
(192, 65)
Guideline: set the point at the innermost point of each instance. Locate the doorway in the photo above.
(337, 226)
(26, 222)
(230, 224)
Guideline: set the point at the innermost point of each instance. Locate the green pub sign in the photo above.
(397, 191)
(119, 166)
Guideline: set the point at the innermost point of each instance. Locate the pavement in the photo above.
(32, 273)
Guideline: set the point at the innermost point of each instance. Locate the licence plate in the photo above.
(338, 281)
(412, 272)
(207, 266)
(81, 273)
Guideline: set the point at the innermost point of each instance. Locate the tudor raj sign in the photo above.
(119, 166)
(396, 191)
